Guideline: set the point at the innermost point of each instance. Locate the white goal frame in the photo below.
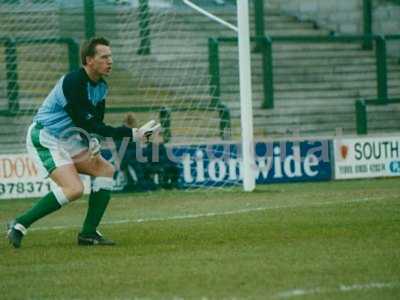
(246, 109)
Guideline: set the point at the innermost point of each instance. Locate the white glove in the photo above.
(94, 147)
(146, 130)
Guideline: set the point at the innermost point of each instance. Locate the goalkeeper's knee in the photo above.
(102, 183)
(67, 194)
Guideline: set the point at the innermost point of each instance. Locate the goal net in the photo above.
(165, 67)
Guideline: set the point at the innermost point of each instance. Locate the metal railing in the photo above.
(259, 21)
(268, 55)
(90, 18)
(362, 104)
(361, 112)
(144, 28)
(380, 52)
(11, 62)
(223, 114)
(393, 37)
(367, 23)
(214, 68)
(395, 1)
(89, 9)
(12, 86)
(165, 116)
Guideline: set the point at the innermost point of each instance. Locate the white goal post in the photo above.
(246, 109)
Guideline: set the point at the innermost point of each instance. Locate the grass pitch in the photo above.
(335, 240)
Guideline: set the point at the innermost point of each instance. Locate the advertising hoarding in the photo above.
(19, 178)
(367, 157)
(285, 161)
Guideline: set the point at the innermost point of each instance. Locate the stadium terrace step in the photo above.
(322, 54)
(297, 107)
(315, 84)
(298, 46)
(312, 78)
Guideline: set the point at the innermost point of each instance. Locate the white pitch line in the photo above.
(341, 289)
(212, 214)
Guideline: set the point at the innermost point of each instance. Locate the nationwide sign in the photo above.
(19, 178)
(286, 161)
(367, 157)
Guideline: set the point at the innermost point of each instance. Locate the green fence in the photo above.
(267, 60)
(12, 86)
(11, 61)
(395, 1)
(380, 52)
(89, 7)
(361, 112)
(361, 105)
(214, 67)
(393, 37)
(165, 116)
(90, 18)
(367, 23)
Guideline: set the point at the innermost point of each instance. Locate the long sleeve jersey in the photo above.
(76, 101)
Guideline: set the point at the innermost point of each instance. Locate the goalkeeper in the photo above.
(75, 106)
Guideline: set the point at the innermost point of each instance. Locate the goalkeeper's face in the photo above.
(101, 63)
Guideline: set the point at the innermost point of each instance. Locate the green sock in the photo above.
(43, 207)
(98, 202)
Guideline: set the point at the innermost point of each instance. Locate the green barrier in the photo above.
(213, 59)
(225, 122)
(11, 74)
(267, 60)
(214, 69)
(381, 68)
(11, 60)
(367, 23)
(223, 113)
(259, 23)
(361, 117)
(268, 74)
(90, 20)
(165, 121)
(73, 48)
(73, 58)
(380, 52)
(165, 116)
(361, 112)
(393, 37)
(144, 28)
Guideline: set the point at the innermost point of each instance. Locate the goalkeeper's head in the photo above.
(96, 57)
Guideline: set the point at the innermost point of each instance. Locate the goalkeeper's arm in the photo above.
(137, 134)
(85, 120)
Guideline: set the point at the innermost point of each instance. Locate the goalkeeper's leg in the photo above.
(69, 187)
(102, 173)
(52, 161)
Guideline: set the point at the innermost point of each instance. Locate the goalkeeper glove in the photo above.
(146, 130)
(94, 147)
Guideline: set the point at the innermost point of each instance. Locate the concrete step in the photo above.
(393, 80)
(297, 46)
(316, 85)
(296, 131)
(297, 121)
(325, 62)
(315, 88)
